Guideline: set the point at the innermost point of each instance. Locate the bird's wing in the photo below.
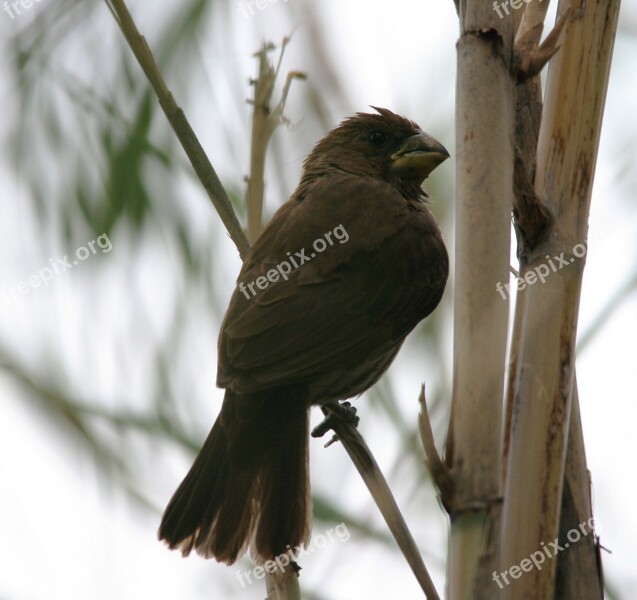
(354, 302)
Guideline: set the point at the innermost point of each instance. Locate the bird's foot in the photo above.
(335, 412)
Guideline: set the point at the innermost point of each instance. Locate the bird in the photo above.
(308, 324)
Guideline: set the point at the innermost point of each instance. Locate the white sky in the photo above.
(66, 534)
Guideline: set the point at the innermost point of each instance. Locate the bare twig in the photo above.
(437, 469)
(283, 585)
(364, 461)
(175, 115)
(264, 122)
(533, 16)
(530, 55)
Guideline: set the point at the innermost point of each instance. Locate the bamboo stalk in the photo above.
(484, 172)
(579, 571)
(543, 386)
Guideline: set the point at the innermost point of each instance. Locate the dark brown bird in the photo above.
(322, 327)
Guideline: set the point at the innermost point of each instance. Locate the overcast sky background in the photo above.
(65, 530)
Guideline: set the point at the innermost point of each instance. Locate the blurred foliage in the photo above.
(98, 156)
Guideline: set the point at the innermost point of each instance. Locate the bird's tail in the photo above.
(249, 482)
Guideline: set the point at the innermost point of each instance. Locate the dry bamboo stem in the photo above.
(543, 386)
(484, 175)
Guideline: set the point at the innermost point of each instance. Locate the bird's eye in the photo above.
(377, 138)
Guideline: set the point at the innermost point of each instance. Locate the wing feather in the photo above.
(350, 305)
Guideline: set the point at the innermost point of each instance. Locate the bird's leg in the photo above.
(335, 412)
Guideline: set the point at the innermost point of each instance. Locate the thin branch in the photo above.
(283, 585)
(175, 115)
(533, 17)
(530, 55)
(264, 122)
(437, 469)
(361, 456)
(532, 220)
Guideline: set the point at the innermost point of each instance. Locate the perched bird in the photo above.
(323, 327)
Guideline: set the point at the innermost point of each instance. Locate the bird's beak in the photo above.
(418, 157)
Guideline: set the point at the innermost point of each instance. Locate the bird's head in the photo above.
(384, 146)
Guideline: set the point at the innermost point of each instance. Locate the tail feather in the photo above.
(284, 517)
(248, 483)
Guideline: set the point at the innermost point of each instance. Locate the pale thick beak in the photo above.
(418, 157)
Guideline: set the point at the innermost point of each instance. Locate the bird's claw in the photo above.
(335, 412)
